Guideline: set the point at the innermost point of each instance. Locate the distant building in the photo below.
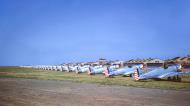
(102, 61)
(184, 61)
(119, 62)
(148, 62)
(93, 63)
(155, 61)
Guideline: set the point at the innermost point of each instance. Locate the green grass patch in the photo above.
(17, 72)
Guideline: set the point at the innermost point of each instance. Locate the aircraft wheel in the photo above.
(169, 79)
(130, 75)
(174, 78)
(178, 78)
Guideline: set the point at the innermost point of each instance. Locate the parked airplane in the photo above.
(160, 73)
(71, 68)
(65, 68)
(50, 68)
(54, 68)
(96, 70)
(123, 71)
(82, 69)
(59, 68)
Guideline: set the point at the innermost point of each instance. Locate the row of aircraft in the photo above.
(138, 72)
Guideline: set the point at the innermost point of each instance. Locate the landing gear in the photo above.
(130, 75)
(175, 78)
(169, 79)
(178, 78)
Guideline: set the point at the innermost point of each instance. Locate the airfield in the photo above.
(31, 87)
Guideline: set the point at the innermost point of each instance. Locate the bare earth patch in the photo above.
(31, 92)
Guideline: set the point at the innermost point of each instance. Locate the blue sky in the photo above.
(56, 31)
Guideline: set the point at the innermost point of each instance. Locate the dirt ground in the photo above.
(31, 92)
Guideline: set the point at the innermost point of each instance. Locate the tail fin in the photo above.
(90, 71)
(77, 71)
(107, 72)
(136, 74)
(68, 68)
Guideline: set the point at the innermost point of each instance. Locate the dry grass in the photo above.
(17, 72)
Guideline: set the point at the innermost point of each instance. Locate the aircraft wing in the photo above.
(170, 74)
(129, 72)
(151, 74)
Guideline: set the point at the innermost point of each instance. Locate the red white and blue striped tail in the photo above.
(89, 71)
(136, 75)
(107, 72)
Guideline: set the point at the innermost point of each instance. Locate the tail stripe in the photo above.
(107, 72)
(89, 71)
(136, 76)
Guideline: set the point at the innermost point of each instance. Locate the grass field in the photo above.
(17, 72)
